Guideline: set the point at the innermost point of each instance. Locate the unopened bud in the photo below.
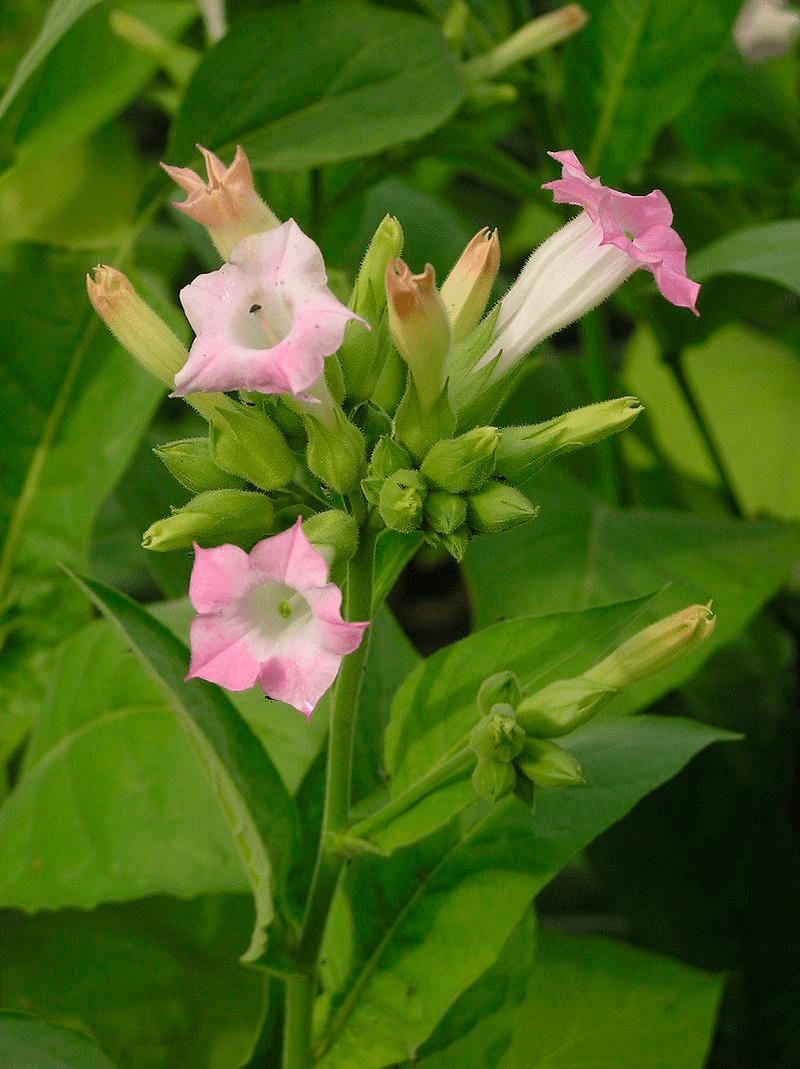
(189, 460)
(402, 499)
(522, 451)
(211, 519)
(456, 542)
(465, 292)
(562, 706)
(462, 465)
(245, 442)
(334, 533)
(134, 324)
(420, 428)
(227, 204)
(493, 780)
(500, 689)
(548, 765)
(420, 328)
(336, 451)
(497, 735)
(655, 648)
(444, 512)
(498, 507)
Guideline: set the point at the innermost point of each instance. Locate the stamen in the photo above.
(285, 609)
(255, 308)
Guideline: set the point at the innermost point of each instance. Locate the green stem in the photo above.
(336, 815)
(596, 371)
(437, 777)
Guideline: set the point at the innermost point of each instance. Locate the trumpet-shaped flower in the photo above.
(586, 260)
(269, 616)
(265, 321)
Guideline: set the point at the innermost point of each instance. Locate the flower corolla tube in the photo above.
(269, 616)
(586, 260)
(265, 321)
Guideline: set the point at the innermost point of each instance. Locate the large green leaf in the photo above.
(27, 1043)
(597, 1003)
(299, 89)
(771, 251)
(259, 812)
(636, 67)
(427, 922)
(747, 386)
(158, 983)
(580, 552)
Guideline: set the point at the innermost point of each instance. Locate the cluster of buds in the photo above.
(325, 417)
(513, 740)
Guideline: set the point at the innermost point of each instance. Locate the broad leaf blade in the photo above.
(259, 812)
(26, 1042)
(771, 252)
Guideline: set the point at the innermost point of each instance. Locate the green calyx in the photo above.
(401, 500)
(462, 465)
(242, 517)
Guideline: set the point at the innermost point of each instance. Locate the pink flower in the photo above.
(265, 321)
(585, 261)
(639, 226)
(269, 616)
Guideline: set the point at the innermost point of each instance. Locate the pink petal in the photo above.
(301, 680)
(219, 576)
(290, 558)
(221, 654)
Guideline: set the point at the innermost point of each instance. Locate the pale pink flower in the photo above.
(269, 616)
(265, 321)
(586, 260)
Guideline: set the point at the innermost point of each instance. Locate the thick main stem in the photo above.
(300, 988)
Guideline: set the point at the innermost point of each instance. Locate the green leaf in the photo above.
(634, 69)
(26, 1043)
(367, 78)
(600, 1003)
(587, 553)
(160, 986)
(259, 812)
(747, 387)
(771, 252)
(455, 897)
(393, 551)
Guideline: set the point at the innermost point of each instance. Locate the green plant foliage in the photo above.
(768, 251)
(26, 1041)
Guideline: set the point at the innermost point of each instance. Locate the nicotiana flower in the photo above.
(265, 321)
(227, 204)
(586, 260)
(765, 28)
(269, 616)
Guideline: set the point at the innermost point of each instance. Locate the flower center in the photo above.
(272, 610)
(267, 320)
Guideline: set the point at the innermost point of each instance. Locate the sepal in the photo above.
(562, 706)
(498, 507)
(462, 465)
(189, 461)
(241, 517)
(245, 442)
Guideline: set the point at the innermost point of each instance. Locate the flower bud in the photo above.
(134, 324)
(522, 451)
(336, 452)
(363, 353)
(388, 457)
(420, 328)
(654, 648)
(497, 735)
(212, 519)
(444, 512)
(499, 689)
(548, 765)
(465, 292)
(498, 507)
(493, 780)
(401, 501)
(562, 706)
(419, 428)
(227, 204)
(334, 533)
(189, 460)
(245, 442)
(456, 542)
(462, 465)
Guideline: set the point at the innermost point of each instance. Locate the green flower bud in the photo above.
(334, 533)
(388, 457)
(462, 465)
(548, 765)
(525, 789)
(445, 512)
(498, 507)
(456, 542)
(420, 327)
(465, 291)
(497, 735)
(189, 460)
(363, 353)
(562, 706)
(499, 689)
(522, 451)
(402, 499)
(336, 451)
(245, 442)
(242, 517)
(418, 428)
(493, 780)
(655, 648)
